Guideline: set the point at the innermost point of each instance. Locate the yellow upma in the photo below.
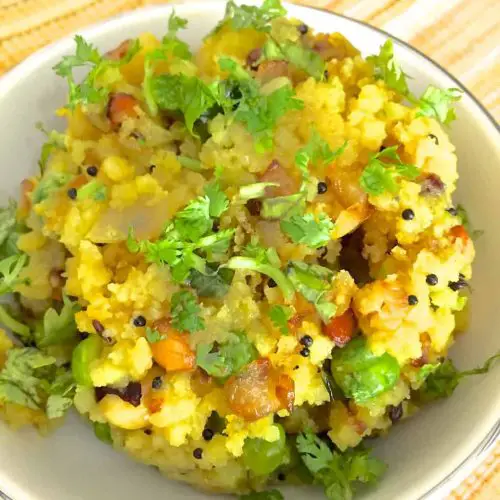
(237, 264)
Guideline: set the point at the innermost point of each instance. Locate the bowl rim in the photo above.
(25, 68)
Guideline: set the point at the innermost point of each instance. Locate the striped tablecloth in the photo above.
(461, 35)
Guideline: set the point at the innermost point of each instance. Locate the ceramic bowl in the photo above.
(427, 454)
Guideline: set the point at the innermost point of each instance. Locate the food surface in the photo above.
(240, 263)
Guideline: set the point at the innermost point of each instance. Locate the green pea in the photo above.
(103, 432)
(360, 374)
(85, 352)
(263, 457)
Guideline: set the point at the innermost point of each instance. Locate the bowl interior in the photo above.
(422, 451)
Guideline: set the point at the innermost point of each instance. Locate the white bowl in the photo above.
(428, 454)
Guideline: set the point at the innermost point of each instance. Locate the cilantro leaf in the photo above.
(314, 452)
(57, 405)
(94, 190)
(10, 268)
(89, 91)
(211, 285)
(379, 176)
(57, 328)
(7, 221)
(282, 207)
(337, 471)
(170, 47)
(153, 336)
(50, 182)
(227, 358)
(279, 316)
(301, 57)
(246, 16)
(316, 150)
(388, 69)
(263, 495)
(444, 379)
(437, 103)
(190, 95)
(345, 470)
(194, 220)
(55, 141)
(218, 201)
(259, 112)
(20, 380)
(61, 393)
(466, 222)
(308, 230)
(185, 312)
(313, 282)
(175, 23)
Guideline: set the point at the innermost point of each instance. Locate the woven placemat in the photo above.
(461, 35)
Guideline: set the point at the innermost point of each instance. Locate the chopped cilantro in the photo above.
(434, 102)
(153, 336)
(444, 379)
(313, 282)
(465, 220)
(190, 235)
(218, 201)
(90, 90)
(61, 391)
(57, 328)
(314, 452)
(7, 221)
(185, 312)
(187, 94)
(247, 16)
(55, 141)
(170, 47)
(227, 358)
(308, 230)
(379, 176)
(388, 69)
(282, 207)
(194, 221)
(337, 471)
(317, 149)
(94, 190)
(10, 268)
(301, 57)
(19, 382)
(437, 103)
(49, 183)
(30, 378)
(279, 316)
(259, 112)
(214, 285)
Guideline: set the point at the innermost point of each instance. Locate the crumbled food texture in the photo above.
(182, 283)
